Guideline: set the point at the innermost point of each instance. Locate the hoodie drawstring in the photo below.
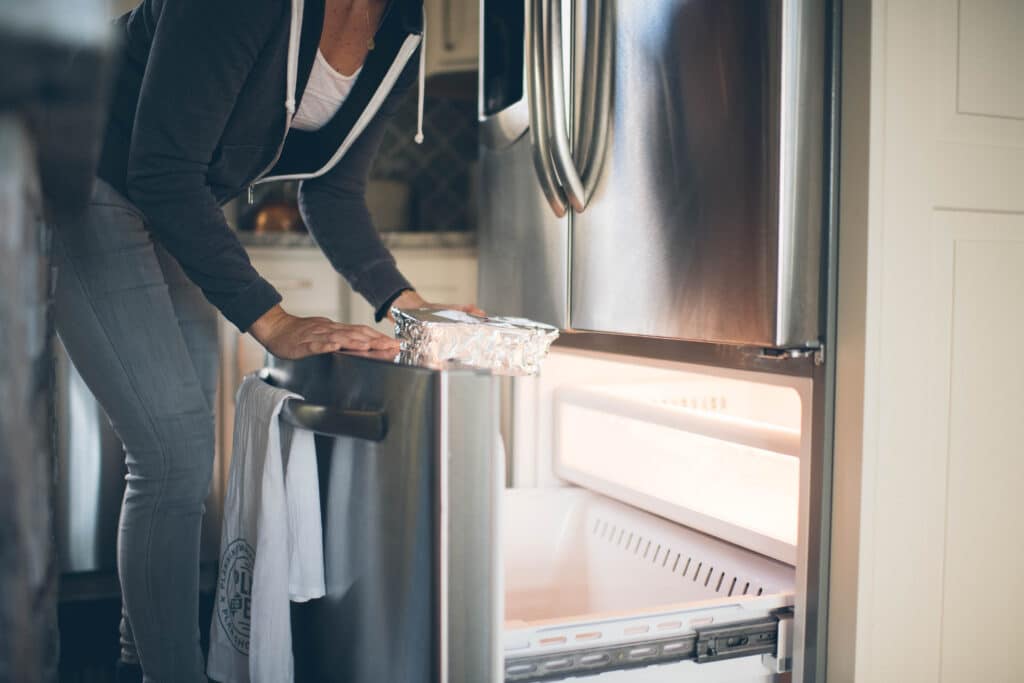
(423, 80)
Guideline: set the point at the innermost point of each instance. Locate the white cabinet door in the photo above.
(444, 276)
(929, 466)
(452, 35)
(305, 278)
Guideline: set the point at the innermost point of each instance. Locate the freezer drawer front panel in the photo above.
(410, 574)
(706, 221)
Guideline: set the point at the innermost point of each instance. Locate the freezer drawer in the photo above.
(408, 519)
(593, 586)
(437, 574)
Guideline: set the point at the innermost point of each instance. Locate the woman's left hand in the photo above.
(411, 299)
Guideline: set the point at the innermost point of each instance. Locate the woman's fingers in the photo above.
(359, 341)
(385, 343)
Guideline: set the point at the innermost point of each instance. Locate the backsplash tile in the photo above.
(438, 171)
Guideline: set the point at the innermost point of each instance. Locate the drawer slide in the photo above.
(704, 646)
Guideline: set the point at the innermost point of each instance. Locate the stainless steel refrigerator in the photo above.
(655, 168)
(643, 509)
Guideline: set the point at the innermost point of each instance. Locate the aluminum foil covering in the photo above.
(506, 346)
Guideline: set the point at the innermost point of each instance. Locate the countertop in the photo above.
(392, 240)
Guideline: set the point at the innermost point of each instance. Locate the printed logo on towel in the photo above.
(234, 593)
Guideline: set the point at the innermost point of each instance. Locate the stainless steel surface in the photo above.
(403, 603)
(815, 582)
(500, 130)
(524, 249)
(538, 95)
(475, 483)
(523, 245)
(558, 106)
(368, 425)
(91, 482)
(801, 162)
(716, 114)
(595, 94)
(697, 353)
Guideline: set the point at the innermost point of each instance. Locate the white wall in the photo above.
(938, 455)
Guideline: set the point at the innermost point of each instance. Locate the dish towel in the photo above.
(271, 542)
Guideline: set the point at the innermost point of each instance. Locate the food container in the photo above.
(506, 346)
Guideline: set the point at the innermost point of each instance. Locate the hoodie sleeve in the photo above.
(334, 208)
(202, 51)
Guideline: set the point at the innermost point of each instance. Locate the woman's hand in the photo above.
(291, 337)
(411, 299)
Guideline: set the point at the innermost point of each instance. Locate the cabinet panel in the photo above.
(983, 553)
(307, 282)
(938, 500)
(990, 74)
(446, 276)
(453, 35)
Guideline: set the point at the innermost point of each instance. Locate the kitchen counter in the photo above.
(392, 240)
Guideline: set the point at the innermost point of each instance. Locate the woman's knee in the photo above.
(177, 464)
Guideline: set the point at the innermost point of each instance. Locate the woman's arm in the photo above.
(201, 54)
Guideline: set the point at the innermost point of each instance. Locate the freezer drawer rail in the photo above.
(728, 641)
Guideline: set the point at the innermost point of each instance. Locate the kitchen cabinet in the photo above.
(446, 276)
(926, 516)
(452, 35)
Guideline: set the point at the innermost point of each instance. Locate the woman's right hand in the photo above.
(292, 337)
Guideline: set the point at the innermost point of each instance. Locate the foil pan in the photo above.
(505, 346)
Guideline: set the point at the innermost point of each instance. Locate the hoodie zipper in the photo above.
(291, 85)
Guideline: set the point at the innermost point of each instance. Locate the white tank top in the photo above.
(324, 95)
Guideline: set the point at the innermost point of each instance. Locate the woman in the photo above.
(210, 96)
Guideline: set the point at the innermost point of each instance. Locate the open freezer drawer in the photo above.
(437, 574)
(594, 586)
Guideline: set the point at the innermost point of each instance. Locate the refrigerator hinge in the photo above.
(742, 639)
(816, 354)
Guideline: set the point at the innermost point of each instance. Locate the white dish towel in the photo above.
(271, 543)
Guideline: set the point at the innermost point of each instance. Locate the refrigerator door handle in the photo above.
(565, 165)
(537, 95)
(595, 116)
(368, 425)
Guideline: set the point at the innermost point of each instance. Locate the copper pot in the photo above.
(276, 216)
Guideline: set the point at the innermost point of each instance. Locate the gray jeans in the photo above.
(145, 340)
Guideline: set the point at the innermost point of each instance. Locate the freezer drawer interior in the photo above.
(594, 586)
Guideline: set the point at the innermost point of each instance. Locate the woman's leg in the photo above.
(116, 316)
(197, 319)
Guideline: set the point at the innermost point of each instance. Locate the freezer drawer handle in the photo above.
(369, 425)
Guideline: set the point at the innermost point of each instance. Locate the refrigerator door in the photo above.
(524, 228)
(409, 468)
(706, 220)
